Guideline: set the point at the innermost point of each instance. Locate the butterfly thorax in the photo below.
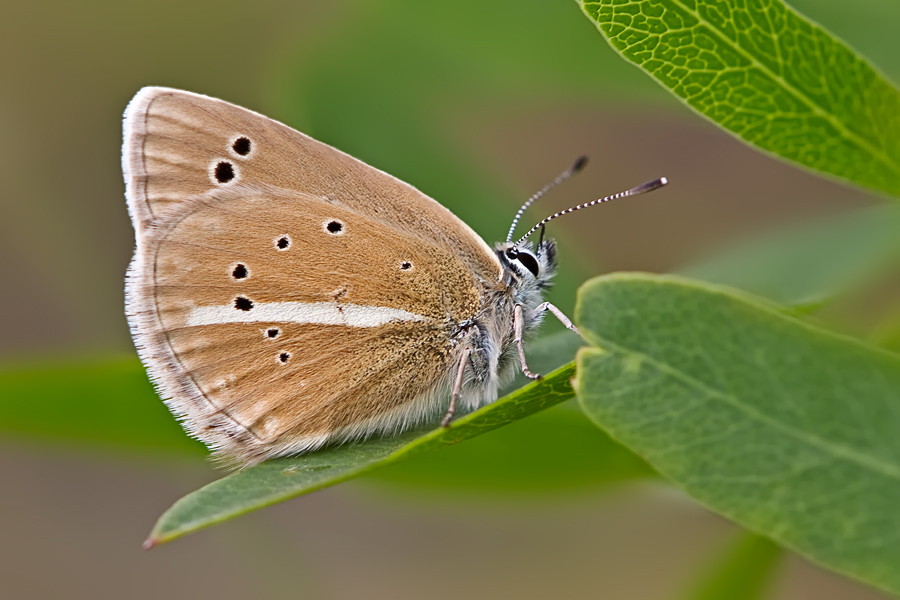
(525, 275)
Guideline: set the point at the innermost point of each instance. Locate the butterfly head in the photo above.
(527, 264)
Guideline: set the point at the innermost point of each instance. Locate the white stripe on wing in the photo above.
(317, 313)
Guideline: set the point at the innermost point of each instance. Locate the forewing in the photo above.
(174, 140)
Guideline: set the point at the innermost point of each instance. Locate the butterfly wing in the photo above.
(295, 296)
(175, 140)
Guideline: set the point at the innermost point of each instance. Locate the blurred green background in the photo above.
(478, 104)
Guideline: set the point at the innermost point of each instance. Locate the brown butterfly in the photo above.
(284, 295)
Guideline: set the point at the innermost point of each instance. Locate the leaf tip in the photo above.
(150, 543)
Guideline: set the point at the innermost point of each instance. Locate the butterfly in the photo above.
(284, 295)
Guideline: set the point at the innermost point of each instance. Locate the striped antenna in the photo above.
(641, 189)
(579, 165)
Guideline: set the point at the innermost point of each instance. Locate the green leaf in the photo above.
(769, 76)
(281, 479)
(811, 263)
(106, 400)
(790, 430)
(743, 572)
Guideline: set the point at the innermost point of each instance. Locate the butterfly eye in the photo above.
(529, 262)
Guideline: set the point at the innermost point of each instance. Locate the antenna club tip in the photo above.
(579, 164)
(663, 180)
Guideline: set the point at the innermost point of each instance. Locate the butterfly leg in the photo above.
(559, 315)
(519, 325)
(457, 387)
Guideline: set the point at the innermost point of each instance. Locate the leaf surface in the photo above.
(769, 76)
(790, 430)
